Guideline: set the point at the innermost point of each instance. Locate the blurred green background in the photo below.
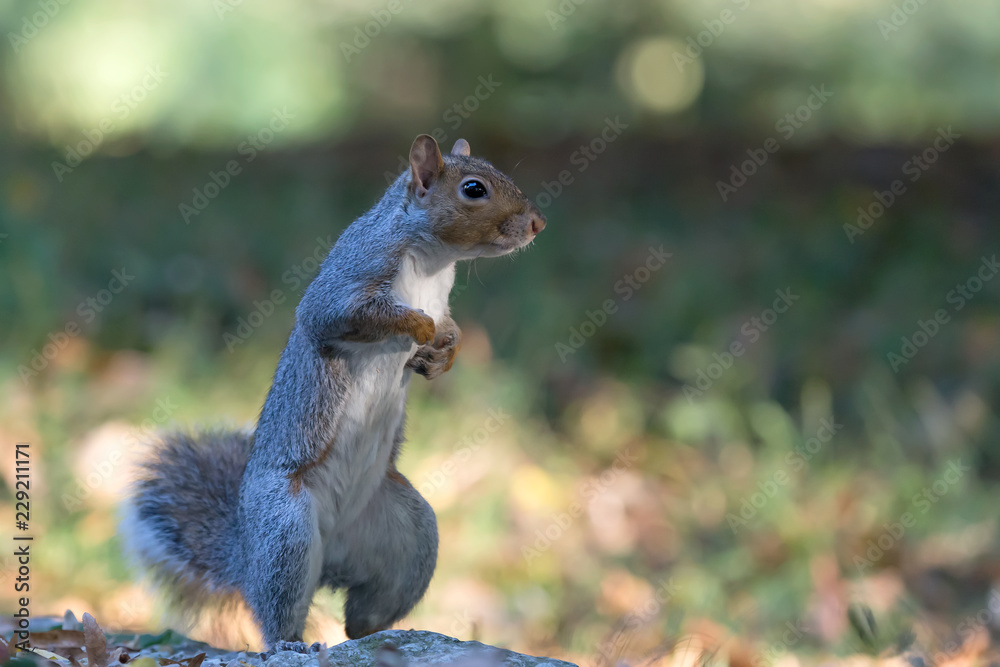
(633, 451)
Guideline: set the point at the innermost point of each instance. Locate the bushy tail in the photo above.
(179, 522)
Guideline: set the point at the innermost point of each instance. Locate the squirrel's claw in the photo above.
(446, 341)
(433, 359)
(296, 647)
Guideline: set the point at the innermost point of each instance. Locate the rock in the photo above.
(390, 648)
(413, 648)
(292, 659)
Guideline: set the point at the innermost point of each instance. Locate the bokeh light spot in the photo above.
(658, 76)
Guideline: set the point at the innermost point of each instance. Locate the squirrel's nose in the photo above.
(537, 222)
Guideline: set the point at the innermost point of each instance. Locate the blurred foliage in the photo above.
(603, 515)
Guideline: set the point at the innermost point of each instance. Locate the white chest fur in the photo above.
(419, 286)
(376, 404)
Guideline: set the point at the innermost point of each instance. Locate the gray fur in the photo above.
(313, 497)
(181, 518)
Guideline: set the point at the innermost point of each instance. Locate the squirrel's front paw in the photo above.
(434, 359)
(297, 647)
(420, 326)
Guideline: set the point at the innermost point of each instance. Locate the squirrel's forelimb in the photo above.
(379, 320)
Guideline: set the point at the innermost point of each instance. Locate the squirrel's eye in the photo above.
(474, 189)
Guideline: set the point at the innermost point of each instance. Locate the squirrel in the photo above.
(312, 497)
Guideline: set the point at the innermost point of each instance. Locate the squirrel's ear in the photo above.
(461, 147)
(426, 164)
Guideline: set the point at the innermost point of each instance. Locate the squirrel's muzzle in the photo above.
(537, 222)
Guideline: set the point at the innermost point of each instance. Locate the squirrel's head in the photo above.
(473, 207)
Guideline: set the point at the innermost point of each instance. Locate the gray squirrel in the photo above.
(312, 496)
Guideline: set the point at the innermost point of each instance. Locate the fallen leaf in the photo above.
(186, 662)
(48, 655)
(58, 639)
(97, 645)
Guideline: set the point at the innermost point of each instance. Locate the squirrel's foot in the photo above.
(435, 358)
(297, 647)
(420, 326)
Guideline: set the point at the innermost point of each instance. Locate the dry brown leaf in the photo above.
(186, 662)
(58, 639)
(97, 644)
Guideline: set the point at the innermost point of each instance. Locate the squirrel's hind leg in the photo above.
(392, 555)
(284, 554)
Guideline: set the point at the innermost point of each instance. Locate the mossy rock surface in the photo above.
(414, 648)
